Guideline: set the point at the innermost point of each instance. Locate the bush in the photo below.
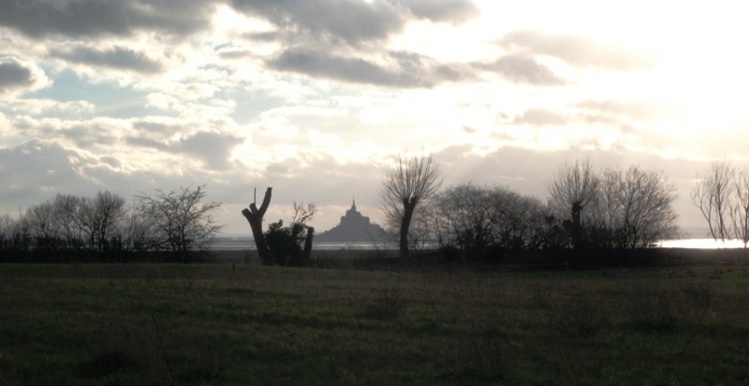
(285, 244)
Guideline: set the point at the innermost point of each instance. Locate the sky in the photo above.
(316, 98)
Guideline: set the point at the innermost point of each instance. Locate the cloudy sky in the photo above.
(316, 97)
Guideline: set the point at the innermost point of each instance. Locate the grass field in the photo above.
(254, 325)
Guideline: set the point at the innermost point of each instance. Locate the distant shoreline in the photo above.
(247, 244)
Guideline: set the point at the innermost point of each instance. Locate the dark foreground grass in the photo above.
(254, 325)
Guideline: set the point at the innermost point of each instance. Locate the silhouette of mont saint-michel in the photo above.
(353, 228)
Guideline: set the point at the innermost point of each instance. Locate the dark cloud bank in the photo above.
(333, 39)
(15, 75)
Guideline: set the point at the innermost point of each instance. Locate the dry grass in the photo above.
(249, 324)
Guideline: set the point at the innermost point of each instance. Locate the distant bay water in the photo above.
(701, 244)
(244, 243)
(241, 244)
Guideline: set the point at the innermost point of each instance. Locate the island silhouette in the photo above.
(354, 227)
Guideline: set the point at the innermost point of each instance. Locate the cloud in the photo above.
(576, 50)
(351, 21)
(214, 149)
(468, 129)
(146, 142)
(17, 76)
(40, 106)
(454, 11)
(635, 110)
(409, 70)
(86, 134)
(522, 69)
(162, 127)
(540, 117)
(116, 57)
(83, 18)
(36, 170)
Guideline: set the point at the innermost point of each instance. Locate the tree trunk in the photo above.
(577, 229)
(307, 252)
(254, 216)
(408, 211)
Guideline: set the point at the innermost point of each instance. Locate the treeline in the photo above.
(586, 210)
(170, 226)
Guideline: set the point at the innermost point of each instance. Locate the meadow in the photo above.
(247, 324)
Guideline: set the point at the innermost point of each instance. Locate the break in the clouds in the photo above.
(315, 98)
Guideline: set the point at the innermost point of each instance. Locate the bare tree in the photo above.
(634, 208)
(465, 219)
(574, 188)
(69, 223)
(45, 228)
(184, 222)
(139, 233)
(69, 213)
(481, 220)
(712, 195)
(99, 219)
(15, 237)
(254, 216)
(109, 214)
(740, 207)
(405, 185)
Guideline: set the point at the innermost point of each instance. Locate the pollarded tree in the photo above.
(574, 189)
(405, 185)
(183, 221)
(254, 216)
